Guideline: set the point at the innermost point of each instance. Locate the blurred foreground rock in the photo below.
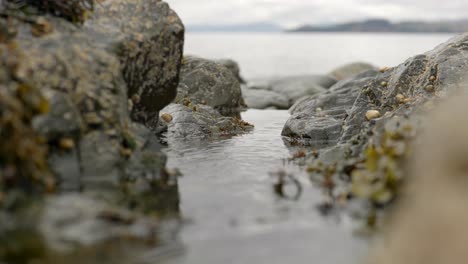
(73, 86)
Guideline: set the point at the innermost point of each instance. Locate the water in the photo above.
(235, 217)
(276, 54)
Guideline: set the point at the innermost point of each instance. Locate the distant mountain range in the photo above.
(254, 27)
(382, 25)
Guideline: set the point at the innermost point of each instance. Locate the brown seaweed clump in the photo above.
(23, 154)
(73, 10)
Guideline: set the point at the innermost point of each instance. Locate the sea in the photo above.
(264, 55)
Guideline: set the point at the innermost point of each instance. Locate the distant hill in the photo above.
(382, 25)
(255, 27)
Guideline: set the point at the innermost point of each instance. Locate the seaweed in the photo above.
(23, 153)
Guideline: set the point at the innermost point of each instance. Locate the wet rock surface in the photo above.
(200, 121)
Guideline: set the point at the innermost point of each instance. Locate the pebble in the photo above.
(429, 88)
(372, 114)
(167, 117)
(432, 78)
(136, 98)
(400, 98)
(125, 152)
(67, 143)
(384, 69)
(384, 84)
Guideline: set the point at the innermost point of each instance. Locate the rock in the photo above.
(262, 99)
(207, 82)
(351, 69)
(295, 87)
(409, 80)
(62, 120)
(100, 159)
(148, 38)
(67, 89)
(233, 67)
(201, 121)
(374, 154)
(320, 119)
(85, 221)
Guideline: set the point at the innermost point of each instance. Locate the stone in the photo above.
(352, 69)
(201, 121)
(208, 82)
(263, 99)
(233, 66)
(294, 87)
(148, 38)
(320, 119)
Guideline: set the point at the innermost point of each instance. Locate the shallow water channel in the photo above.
(232, 213)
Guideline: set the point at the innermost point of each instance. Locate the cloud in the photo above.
(295, 12)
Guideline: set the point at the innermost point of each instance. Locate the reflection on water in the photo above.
(233, 215)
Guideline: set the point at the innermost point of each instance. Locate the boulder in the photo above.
(351, 69)
(208, 82)
(321, 118)
(410, 84)
(262, 99)
(148, 39)
(233, 66)
(295, 87)
(200, 121)
(370, 132)
(70, 86)
(87, 69)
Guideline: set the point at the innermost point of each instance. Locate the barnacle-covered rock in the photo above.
(201, 121)
(65, 123)
(23, 153)
(398, 88)
(148, 38)
(370, 123)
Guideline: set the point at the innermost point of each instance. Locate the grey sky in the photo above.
(295, 12)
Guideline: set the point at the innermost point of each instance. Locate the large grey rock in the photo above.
(351, 69)
(200, 121)
(233, 66)
(295, 87)
(339, 115)
(262, 99)
(148, 38)
(207, 82)
(321, 118)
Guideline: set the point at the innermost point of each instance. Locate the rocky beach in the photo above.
(117, 147)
